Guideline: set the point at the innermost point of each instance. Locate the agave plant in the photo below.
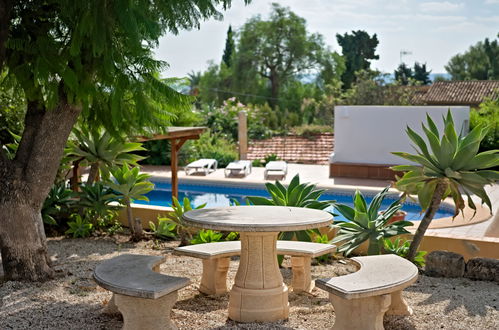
(366, 223)
(296, 194)
(97, 202)
(101, 151)
(130, 185)
(450, 166)
(58, 202)
(184, 232)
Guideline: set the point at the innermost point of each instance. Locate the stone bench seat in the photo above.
(142, 295)
(216, 259)
(361, 299)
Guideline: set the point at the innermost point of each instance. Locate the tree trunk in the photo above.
(428, 217)
(24, 184)
(274, 82)
(137, 234)
(93, 174)
(23, 244)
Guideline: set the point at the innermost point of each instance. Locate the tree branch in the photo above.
(32, 122)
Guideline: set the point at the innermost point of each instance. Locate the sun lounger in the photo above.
(276, 167)
(238, 167)
(205, 165)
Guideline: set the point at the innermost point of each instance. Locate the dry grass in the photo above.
(73, 301)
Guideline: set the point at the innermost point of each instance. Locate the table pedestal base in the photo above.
(255, 305)
(258, 294)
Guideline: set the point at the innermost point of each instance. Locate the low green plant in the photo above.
(323, 239)
(80, 227)
(129, 185)
(184, 232)
(401, 248)
(366, 223)
(96, 201)
(296, 194)
(165, 229)
(207, 236)
(57, 204)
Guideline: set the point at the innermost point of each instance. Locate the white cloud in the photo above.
(491, 2)
(444, 6)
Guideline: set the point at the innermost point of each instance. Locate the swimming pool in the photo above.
(217, 195)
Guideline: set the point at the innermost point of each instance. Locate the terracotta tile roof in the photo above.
(469, 92)
(314, 149)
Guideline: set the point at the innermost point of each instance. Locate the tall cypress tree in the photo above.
(229, 48)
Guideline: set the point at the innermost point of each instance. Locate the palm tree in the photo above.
(451, 167)
(101, 151)
(130, 185)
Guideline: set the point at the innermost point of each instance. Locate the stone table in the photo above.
(259, 293)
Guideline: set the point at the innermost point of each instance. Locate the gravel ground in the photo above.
(73, 301)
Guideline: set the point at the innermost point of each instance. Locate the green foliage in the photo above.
(450, 167)
(296, 194)
(12, 112)
(129, 184)
(323, 239)
(166, 228)
(404, 75)
(96, 201)
(421, 75)
(366, 223)
(479, 62)
(100, 150)
(57, 205)
(307, 130)
(212, 146)
(80, 227)
(207, 236)
(185, 232)
(278, 48)
(488, 116)
(401, 248)
(229, 48)
(358, 49)
(452, 160)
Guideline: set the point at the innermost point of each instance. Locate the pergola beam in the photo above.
(177, 137)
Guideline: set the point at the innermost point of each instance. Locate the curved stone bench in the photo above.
(361, 299)
(143, 296)
(216, 259)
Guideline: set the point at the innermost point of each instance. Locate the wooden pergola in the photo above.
(177, 137)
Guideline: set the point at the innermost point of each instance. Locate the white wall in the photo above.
(367, 134)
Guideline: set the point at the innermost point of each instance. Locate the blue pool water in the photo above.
(214, 195)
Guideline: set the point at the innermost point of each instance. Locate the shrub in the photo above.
(213, 146)
(298, 195)
(80, 227)
(96, 202)
(165, 229)
(366, 223)
(487, 115)
(184, 232)
(307, 130)
(401, 248)
(57, 205)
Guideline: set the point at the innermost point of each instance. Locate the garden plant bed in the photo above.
(74, 301)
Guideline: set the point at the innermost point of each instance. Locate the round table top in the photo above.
(257, 218)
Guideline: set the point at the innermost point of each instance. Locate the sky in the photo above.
(432, 31)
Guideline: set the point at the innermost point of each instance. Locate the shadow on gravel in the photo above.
(475, 296)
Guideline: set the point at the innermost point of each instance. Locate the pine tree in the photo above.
(420, 74)
(229, 48)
